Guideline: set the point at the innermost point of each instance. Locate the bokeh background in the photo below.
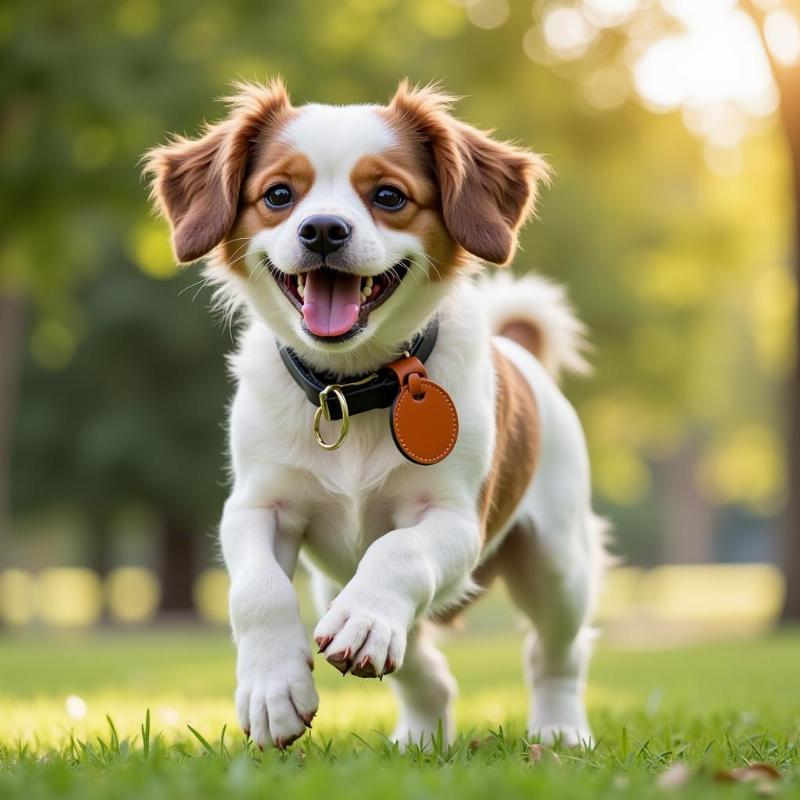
(674, 131)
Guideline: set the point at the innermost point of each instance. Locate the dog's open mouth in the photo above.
(335, 305)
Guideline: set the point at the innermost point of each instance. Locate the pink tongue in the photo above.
(330, 302)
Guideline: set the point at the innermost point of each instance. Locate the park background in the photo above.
(673, 128)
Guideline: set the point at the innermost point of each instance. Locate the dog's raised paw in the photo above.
(365, 644)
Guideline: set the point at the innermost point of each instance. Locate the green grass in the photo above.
(711, 706)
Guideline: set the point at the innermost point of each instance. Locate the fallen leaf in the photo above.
(762, 770)
(475, 744)
(751, 772)
(536, 752)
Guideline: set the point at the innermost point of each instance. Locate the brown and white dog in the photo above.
(343, 233)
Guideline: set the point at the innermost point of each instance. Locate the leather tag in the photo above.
(424, 420)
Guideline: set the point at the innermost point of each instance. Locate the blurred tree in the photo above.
(136, 420)
(787, 80)
(703, 60)
(11, 327)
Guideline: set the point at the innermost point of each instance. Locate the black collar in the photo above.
(379, 392)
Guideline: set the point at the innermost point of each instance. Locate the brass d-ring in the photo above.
(325, 411)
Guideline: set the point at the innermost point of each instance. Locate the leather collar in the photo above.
(376, 390)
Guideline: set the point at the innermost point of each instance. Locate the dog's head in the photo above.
(343, 226)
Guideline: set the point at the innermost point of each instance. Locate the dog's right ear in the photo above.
(195, 183)
(488, 188)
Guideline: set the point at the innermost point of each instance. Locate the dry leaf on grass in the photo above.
(763, 775)
(751, 772)
(476, 744)
(537, 752)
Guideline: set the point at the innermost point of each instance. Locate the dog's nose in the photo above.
(323, 233)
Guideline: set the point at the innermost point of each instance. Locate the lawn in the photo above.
(73, 713)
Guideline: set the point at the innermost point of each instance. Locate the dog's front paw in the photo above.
(359, 639)
(275, 701)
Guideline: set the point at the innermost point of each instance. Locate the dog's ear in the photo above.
(488, 188)
(195, 183)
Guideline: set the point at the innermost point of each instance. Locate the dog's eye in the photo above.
(389, 198)
(278, 196)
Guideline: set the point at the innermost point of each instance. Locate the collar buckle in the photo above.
(325, 411)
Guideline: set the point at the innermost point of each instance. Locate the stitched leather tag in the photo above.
(424, 420)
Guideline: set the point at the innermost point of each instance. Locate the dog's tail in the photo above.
(536, 313)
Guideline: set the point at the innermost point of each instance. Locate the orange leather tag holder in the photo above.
(424, 419)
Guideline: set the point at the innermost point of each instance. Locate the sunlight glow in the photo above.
(132, 594)
(17, 597)
(782, 32)
(567, 31)
(697, 14)
(746, 593)
(718, 59)
(609, 13)
(75, 706)
(210, 595)
(715, 72)
(746, 467)
(488, 14)
(69, 597)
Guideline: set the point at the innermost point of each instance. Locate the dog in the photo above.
(396, 423)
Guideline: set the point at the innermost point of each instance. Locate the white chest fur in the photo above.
(339, 502)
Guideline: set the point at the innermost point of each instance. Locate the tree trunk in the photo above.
(791, 532)
(179, 561)
(99, 544)
(688, 517)
(787, 79)
(12, 317)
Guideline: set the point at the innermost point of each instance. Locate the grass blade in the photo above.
(203, 741)
(146, 734)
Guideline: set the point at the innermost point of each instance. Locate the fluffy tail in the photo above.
(536, 313)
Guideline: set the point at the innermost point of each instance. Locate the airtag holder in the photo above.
(424, 420)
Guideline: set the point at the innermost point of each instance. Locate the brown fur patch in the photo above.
(487, 187)
(274, 161)
(516, 446)
(524, 333)
(196, 183)
(516, 451)
(407, 167)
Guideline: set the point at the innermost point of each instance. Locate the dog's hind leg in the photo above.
(425, 690)
(552, 574)
(323, 589)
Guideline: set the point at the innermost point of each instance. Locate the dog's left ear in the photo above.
(196, 182)
(488, 187)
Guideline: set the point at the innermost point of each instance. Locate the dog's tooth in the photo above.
(301, 290)
(368, 282)
(301, 280)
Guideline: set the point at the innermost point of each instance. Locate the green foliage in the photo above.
(137, 418)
